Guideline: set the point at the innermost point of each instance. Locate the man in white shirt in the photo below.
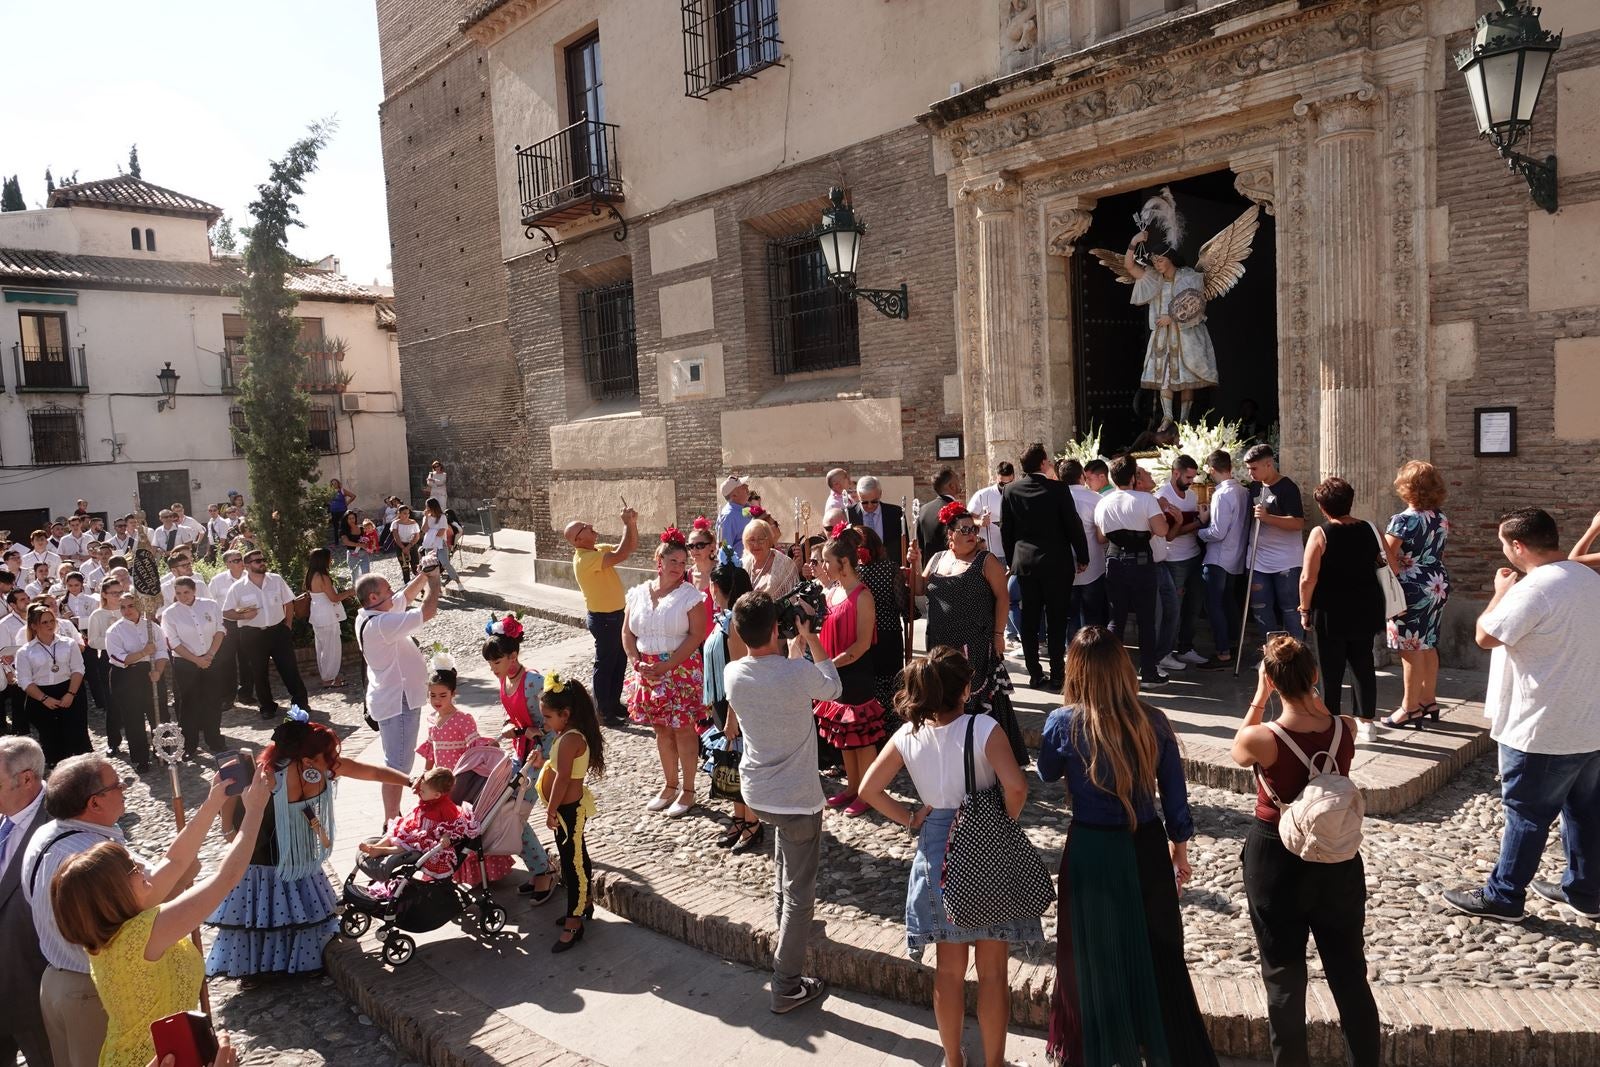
(1089, 604)
(985, 505)
(179, 565)
(218, 529)
(1128, 523)
(257, 602)
(21, 817)
(397, 671)
(1280, 549)
(1543, 678)
(1183, 559)
(170, 535)
(40, 553)
(94, 568)
(1222, 531)
(73, 545)
(13, 716)
(193, 628)
(192, 524)
(121, 539)
(137, 652)
(233, 679)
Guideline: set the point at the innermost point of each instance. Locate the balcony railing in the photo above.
(569, 173)
(323, 375)
(43, 369)
(231, 360)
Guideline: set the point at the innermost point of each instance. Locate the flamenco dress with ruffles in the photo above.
(855, 720)
(282, 914)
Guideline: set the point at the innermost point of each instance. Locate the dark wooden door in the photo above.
(1108, 350)
(162, 489)
(586, 102)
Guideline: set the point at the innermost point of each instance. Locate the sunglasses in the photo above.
(119, 785)
(968, 529)
(696, 545)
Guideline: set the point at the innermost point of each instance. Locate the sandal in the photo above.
(753, 835)
(735, 831)
(663, 800)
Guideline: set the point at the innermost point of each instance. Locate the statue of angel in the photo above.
(1179, 357)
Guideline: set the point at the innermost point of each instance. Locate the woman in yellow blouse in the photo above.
(141, 959)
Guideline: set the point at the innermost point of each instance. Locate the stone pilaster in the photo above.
(1002, 314)
(1346, 250)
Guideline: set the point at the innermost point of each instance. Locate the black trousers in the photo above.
(64, 731)
(1131, 586)
(97, 676)
(1050, 593)
(233, 673)
(132, 707)
(574, 852)
(13, 712)
(1335, 652)
(199, 712)
(1290, 898)
(257, 645)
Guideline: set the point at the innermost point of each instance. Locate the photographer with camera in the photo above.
(773, 696)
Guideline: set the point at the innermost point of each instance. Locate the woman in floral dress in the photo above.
(1414, 541)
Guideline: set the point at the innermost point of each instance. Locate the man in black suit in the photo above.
(885, 520)
(21, 816)
(1046, 547)
(930, 531)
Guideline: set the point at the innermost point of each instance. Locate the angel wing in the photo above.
(1112, 261)
(1222, 258)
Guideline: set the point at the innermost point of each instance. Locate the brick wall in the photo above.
(911, 238)
(463, 395)
(1485, 282)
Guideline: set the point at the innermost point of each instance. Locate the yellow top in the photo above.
(136, 992)
(601, 585)
(547, 773)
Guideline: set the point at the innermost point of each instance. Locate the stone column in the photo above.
(1002, 326)
(1345, 292)
(1066, 220)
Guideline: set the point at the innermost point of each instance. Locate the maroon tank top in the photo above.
(1288, 776)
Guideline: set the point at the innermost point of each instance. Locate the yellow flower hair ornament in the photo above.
(554, 683)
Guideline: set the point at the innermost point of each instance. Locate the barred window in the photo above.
(813, 321)
(323, 429)
(57, 436)
(236, 426)
(725, 41)
(610, 359)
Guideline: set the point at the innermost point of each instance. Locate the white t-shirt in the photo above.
(935, 758)
(1185, 546)
(1125, 509)
(433, 533)
(1544, 678)
(987, 500)
(1086, 500)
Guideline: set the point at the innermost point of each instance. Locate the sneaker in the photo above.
(1366, 730)
(1215, 664)
(1473, 902)
(1556, 895)
(1152, 683)
(1192, 657)
(1169, 662)
(810, 989)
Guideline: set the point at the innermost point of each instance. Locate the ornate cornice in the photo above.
(491, 20)
(992, 192)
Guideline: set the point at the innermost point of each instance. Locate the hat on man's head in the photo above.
(730, 483)
(254, 553)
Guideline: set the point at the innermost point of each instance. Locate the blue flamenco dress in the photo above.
(283, 913)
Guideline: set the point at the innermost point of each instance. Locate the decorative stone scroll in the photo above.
(1064, 226)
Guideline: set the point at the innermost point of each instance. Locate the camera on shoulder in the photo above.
(804, 600)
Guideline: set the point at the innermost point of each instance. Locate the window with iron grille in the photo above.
(813, 321)
(236, 426)
(725, 41)
(323, 429)
(610, 360)
(57, 436)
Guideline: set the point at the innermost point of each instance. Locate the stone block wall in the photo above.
(1515, 297)
(699, 274)
(463, 392)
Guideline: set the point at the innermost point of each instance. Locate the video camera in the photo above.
(805, 599)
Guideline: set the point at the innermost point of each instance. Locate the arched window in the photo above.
(135, 233)
(149, 240)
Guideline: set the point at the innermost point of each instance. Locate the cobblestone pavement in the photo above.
(1449, 840)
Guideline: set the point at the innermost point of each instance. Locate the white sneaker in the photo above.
(1192, 657)
(1173, 663)
(1366, 730)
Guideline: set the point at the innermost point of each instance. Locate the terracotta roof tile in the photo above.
(28, 267)
(133, 194)
(384, 309)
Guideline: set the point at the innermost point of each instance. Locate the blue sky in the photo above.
(210, 92)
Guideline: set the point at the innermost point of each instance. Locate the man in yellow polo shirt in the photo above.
(595, 567)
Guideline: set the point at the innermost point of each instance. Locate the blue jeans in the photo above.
(1534, 788)
(447, 571)
(399, 735)
(1014, 617)
(1221, 611)
(1275, 603)
(610, 661)
(1185, 575)
(1166, 611)
(360, 563)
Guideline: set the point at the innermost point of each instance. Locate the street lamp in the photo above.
(168, 379)
(840, 236)
(1505, 70)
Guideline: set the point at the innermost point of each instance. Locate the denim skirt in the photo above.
(926, 920)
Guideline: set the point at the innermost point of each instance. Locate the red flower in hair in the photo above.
(863, 557)
(674, 536)
(701, 523)
(838, 528)
(953, 510)
(755, 511)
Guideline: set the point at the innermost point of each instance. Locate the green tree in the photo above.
(49, 182)
(133, 162)
(11, 196)
(223, 238)
(277, 450)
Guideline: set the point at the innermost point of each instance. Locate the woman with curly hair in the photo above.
(663, 627)
(282, 914)
(1415, 540)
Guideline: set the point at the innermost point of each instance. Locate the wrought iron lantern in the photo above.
(840, 236)
(1505, 70)
(168, 380)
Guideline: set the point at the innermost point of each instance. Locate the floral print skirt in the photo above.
(676, 701)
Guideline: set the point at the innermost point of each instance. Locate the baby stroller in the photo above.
(422, 903)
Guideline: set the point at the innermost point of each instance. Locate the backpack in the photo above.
(1323, 823)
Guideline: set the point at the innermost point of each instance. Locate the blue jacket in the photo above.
(1059, 756)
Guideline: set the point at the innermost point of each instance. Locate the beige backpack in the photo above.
(1323, 823)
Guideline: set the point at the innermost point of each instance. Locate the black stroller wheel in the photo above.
(398, 949)
(353, 924)
(493, 919)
